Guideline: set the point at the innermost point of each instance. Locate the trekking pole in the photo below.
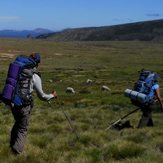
(114, 123)
(67, 118)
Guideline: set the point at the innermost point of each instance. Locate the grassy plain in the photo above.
(63, 64)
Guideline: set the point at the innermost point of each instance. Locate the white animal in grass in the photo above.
(89, 81)
(105, 88)
(70, 90)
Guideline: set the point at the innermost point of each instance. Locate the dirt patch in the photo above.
(4, 56)
(14, 51)
(58, 54)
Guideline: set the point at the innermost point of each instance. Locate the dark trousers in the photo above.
(19, 130)
(146, 119)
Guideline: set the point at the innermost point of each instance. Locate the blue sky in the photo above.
(60, 14)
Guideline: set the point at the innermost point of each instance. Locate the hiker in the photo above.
(146, 118)
(144, 94)
(29, 80)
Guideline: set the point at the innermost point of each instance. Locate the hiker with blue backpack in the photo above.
(146, 119)
(145, 93)
(22, 79)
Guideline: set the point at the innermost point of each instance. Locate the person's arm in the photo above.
(159, 97)
(37, 85)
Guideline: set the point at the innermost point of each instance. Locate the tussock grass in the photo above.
(115, 64)
(120, 150)
(141, 136)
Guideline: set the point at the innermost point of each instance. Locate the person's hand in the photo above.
(54, 94)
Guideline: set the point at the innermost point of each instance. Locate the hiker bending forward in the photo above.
(146, 119)
(22, 113)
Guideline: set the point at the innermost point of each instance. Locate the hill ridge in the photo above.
(145, 31)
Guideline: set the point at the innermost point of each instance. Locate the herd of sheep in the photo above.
(89, 81)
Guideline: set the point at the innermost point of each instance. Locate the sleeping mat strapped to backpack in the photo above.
(16, 89)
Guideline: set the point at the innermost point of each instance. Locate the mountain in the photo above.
(24, 33)
(147, 31)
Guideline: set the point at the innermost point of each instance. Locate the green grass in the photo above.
(115, 64)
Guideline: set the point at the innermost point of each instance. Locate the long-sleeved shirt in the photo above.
(36, 85)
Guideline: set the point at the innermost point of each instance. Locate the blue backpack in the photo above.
(145, 82)
(17, 85)
(140, 94)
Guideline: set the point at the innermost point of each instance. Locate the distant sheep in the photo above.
(70, 90)
(50, 81)
(105, 88)
(89, 81)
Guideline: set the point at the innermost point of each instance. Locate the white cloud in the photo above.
(9, 18)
